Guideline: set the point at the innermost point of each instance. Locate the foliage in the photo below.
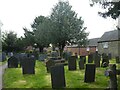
(112, 6)
(9, 41)
(66, 27)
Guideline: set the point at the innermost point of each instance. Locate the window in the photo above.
(105, 45)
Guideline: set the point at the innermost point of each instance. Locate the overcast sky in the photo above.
(16, 14)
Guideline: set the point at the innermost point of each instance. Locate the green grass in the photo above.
(13, 78)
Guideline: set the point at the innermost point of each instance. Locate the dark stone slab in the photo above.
(83, 58)
(90, 73)
(105, 61)
(54, 54)
(28, 65)
(49, 64)
(13, 62)
(90, 58)
(72, 63)
(109, 56)
(81, 64)
(97, 60)
(3, 57)
(117, 59)
(58, 76)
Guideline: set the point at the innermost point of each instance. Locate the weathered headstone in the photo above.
(58, 76)
(90, 58)
(105, 61)
(83, 58)
(81, 64)
(90, 73)
(49, 64)
(28, 65)
(109, 56)
(72, 63)
(112, 72)
(13, 62)
(97, 60)
(117, 59)
(42, 57)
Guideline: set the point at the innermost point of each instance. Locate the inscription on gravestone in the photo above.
(89, 73)
(58, 76)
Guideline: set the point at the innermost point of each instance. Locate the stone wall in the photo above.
(113, 48)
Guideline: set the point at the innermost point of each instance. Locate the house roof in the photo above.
(110, 36)
(93, 42)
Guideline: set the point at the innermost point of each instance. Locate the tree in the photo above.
(9, 41)
(41, 28)
(112, 8)
(66, 26)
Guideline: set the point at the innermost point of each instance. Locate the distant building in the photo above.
(110, 43)
(90, 48)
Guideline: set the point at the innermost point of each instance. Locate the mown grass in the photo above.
(13, 78)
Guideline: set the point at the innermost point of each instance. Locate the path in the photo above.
(2, 68)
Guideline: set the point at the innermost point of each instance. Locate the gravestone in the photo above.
(17, 55)
(105, 61)
(90, 58)
(109, 56)
(54, 54)
(81, 64)
(112, 72)
(58, 76)
(36, 55)
(66, 55)
(42, 57)
(83, 58)
(89, 73)
(0, 56)
(117, 59)
(49, 63)
(72, 63)
(13, 62)
(3, 56)
(28, 65)
(97, 60)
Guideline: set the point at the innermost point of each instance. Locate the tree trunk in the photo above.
(40, 49)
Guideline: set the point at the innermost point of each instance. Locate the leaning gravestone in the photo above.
(83, 58)
(89, 73)
(28, 65)
(109, 56)
(97, 60)
(81, 63)
(72, 63)
(13, 62)
(90, 58)
(49, 64)
(117, 59)
(58, 76)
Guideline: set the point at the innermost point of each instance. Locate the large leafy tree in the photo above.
(66, 26)
(41, 30)
(112, 8)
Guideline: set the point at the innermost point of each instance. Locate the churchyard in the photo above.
(24, 71)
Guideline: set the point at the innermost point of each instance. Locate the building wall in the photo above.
(81, 51)
(113, 48)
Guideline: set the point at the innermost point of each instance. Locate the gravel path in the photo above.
(2, 68)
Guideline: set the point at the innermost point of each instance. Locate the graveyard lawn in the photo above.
(13, 78)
